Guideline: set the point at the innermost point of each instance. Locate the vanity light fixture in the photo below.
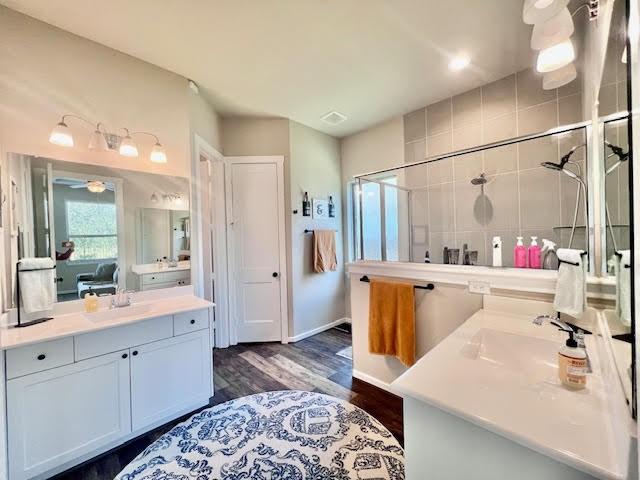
(459, 62)
(154, 198)
(97, 141)
(128, 147)
(537, 11)
(555, 57)
(556, 30)
(158, 155)
(61, 135)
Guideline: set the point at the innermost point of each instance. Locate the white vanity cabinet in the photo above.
(76, 397)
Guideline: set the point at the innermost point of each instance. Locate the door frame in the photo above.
(208, 214)
(278, 160)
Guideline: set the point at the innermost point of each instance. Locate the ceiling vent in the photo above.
(333, 118)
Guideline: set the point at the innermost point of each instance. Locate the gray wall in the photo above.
(520, 197)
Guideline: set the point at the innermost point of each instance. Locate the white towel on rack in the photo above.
(571, 287)
(623, 286)
(37, 287)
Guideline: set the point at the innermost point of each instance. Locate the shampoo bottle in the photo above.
(520, 254)
(534, 253)
(497, 251)
(572, 365)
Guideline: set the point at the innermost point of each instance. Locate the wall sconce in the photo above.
(166, 197)
(103, 141)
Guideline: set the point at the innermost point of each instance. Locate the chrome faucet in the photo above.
(565, 327)
(122, 298)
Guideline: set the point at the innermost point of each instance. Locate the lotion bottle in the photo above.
(534, 253)
(572, 365)
(520, 254)
(90, 302)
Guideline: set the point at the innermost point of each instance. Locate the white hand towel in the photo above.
(623, 286)
(571, 287)
(37, 287)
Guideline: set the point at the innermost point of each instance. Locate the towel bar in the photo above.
(626, 265)
(572, 263)
(311, 231)
(428, 286)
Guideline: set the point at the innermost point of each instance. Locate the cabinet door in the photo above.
(60, 414)
(169, 376)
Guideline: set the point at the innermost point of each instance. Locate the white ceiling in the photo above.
(368, 59)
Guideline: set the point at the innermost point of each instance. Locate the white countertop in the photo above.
(77, 323)
(150, 268)
(523, 402)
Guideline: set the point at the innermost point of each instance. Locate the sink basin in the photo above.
(118, 313)
(532, 359)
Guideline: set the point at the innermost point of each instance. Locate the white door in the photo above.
(169, 376)
(256, 248)
(61, 414)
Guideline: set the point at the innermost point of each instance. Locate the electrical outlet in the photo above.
(483, 288)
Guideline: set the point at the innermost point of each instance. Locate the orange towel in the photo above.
(392, 326)
(324, 251)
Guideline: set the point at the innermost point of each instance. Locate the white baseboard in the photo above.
(315, 331)
(365, 377)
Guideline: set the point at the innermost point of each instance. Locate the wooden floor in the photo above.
(311, 364)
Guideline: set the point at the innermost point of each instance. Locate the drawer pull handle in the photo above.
(124, 355)
(134, 353)
(192, 322)
(42, 356)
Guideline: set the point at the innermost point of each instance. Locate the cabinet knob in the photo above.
(134, 353)
(124, 355)
(192, 322)
(42, 356)
(274, 274)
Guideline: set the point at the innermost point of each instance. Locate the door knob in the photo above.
(274, 274)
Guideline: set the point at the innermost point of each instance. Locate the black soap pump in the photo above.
(332, 207)
(306, 205)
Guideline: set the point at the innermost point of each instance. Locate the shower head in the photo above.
(479, 180)
(564, 160)
(618, 151)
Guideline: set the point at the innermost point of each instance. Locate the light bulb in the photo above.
(158, 154)
(61, 135)
(97, 142)
(128, 147)
(459, 62)
(555, 57)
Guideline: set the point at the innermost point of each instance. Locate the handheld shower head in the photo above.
(618, 151)
(563, 160)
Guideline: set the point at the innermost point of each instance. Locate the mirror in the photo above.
(615, 202)
(106, 228)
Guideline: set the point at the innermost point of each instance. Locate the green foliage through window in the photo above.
(93, 229)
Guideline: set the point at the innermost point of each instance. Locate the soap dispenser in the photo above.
(534, 253)
(520, 254)
(572, 365)
(497, 251)
(90, 302)
(549, 256)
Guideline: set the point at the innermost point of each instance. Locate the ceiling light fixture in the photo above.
(555, 30)
(555, 57)
(459, 62)
(537, 11)
(559, 77)
(96, 186)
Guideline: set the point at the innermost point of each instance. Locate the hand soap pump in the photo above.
(534, 253)
(90, 302)
(520, 254)
(549, 256)
(572, 364)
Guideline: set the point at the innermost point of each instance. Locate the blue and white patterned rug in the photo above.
(281, 435)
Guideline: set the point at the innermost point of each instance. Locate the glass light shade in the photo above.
(96, 186)
(61, 135)
(538, 11)
(98, 142)
(560, 77)
(158, 154)
(555, 30)
(154, 198)
(128, 147)
(555, 57)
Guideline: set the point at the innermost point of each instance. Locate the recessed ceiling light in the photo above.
(459, 62)
(333, 118)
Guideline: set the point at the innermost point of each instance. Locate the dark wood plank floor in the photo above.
(311, 364)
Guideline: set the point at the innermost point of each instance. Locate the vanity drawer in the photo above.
(190, 321)
(166, 277)
(41, 356)
(119, 338)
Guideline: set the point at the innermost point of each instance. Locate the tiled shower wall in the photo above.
(520, 197)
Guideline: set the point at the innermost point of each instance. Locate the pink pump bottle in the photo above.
(520, 254)
(534, 254)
